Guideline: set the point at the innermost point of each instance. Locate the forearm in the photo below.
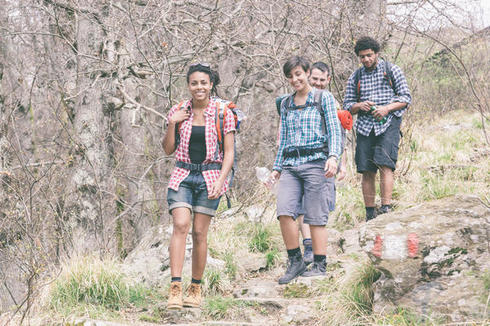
(168, 142)
(395, 106)
(354, 109)
(229, 156)
(282, 144)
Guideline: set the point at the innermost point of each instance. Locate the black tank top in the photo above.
(197, 144)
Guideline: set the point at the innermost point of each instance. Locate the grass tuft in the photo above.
(222, 307)
(296, 290)
(215, 282)
(93, 283)
(359, 294)
(272, 257)
(261, 240)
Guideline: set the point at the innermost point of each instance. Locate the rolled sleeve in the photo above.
(334, 134)
(229, 123)
(171, 112)
(350, 97)
(282, 144)
(401, 87)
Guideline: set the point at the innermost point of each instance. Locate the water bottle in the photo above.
(264, 176)
(371, 110)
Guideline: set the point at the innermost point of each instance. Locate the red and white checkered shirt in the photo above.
(211, 137)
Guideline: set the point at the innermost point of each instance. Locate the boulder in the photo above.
(297, 314)
(257, 288)
(149, 262)
(433, 258)
(250, 262)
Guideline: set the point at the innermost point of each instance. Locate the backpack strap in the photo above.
(318, 104)
(287, 103)
(220, 118)
(387, 75)
(357, 83)
(222, 110)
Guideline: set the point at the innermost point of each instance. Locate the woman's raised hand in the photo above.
(179, 116)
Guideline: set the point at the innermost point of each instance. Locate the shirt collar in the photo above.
(209, 109)
(309, 98)
(380, 62)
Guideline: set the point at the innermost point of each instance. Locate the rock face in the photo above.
(149, 262)
(433, 258)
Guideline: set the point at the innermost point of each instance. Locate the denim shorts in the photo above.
(382, 150)
(192, 194)
(306, 180)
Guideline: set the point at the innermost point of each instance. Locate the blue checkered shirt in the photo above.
(303, 130)
(375, 88)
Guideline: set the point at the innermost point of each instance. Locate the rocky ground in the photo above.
(432, 259)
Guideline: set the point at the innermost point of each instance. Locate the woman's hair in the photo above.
(293, 62)
(205, 68)
(366, 43)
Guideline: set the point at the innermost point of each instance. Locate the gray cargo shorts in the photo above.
(306, 180)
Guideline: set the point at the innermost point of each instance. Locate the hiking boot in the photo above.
(193, 296)
(317, 269)
(308, 255)
(175, 296)
(296, 266)
(370, 213)
(384, 209)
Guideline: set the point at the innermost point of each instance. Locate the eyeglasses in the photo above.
(203, 64)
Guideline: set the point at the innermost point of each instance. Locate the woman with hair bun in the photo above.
(199, 179)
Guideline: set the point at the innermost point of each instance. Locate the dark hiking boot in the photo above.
(296, 266)
(308, 253)
(384, 209)
(370, 213)
(317, 269)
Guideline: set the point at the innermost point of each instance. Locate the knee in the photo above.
(199, 236)
(385, 171)
(181, 228)
(368, 176)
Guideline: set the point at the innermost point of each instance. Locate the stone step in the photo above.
(278, 303)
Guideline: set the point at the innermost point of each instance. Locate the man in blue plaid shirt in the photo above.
(379, 94)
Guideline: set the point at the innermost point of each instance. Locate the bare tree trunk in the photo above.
(139, 192)
(92, 165)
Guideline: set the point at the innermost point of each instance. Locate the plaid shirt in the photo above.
(375, 88)
(211, 137)
(303, 130)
